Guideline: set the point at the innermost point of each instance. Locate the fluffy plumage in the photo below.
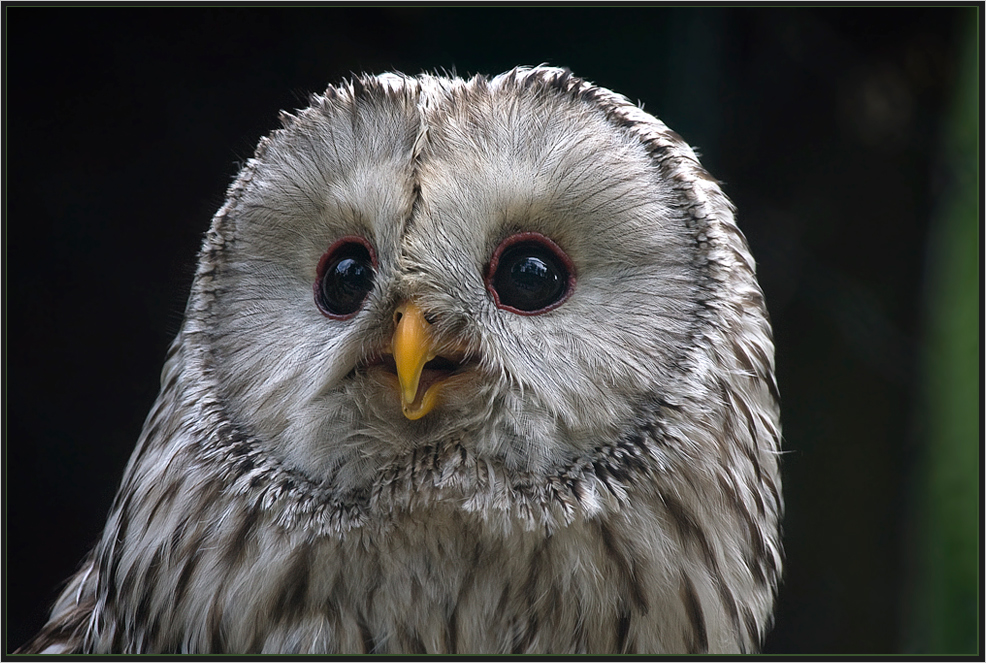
(601, 477)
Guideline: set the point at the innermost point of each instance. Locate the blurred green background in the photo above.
(849, 138)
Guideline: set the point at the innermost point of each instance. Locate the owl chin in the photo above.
(439, 378)
(384, 439)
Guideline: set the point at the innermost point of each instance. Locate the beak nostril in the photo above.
(397, 316)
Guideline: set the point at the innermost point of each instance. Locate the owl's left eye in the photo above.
(344, 277)
(529, 274)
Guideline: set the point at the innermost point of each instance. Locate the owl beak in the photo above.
(413, 348)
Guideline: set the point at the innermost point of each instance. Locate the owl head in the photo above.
(525, 275)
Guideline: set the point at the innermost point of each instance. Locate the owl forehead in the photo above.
(516, 149)
(427, 165)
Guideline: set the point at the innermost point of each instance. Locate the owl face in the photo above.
(412, 261)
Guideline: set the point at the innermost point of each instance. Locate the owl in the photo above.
(468, 366)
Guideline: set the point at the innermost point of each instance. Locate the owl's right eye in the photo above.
(344, 277)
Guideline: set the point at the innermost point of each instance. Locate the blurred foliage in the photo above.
(945, 613)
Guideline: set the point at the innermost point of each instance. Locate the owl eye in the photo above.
(344, 277)
(529, 274)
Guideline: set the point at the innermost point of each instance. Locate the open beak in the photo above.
(413, 347)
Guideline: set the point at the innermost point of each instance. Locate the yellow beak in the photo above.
(413, 348)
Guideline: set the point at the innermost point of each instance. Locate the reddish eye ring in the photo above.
(529, 274)
(344, 277)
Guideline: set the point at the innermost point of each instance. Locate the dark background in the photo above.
(828, 127)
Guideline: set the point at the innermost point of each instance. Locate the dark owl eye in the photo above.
(344, 277)
(529, 274)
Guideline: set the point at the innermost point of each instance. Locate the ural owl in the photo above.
(474, 366)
